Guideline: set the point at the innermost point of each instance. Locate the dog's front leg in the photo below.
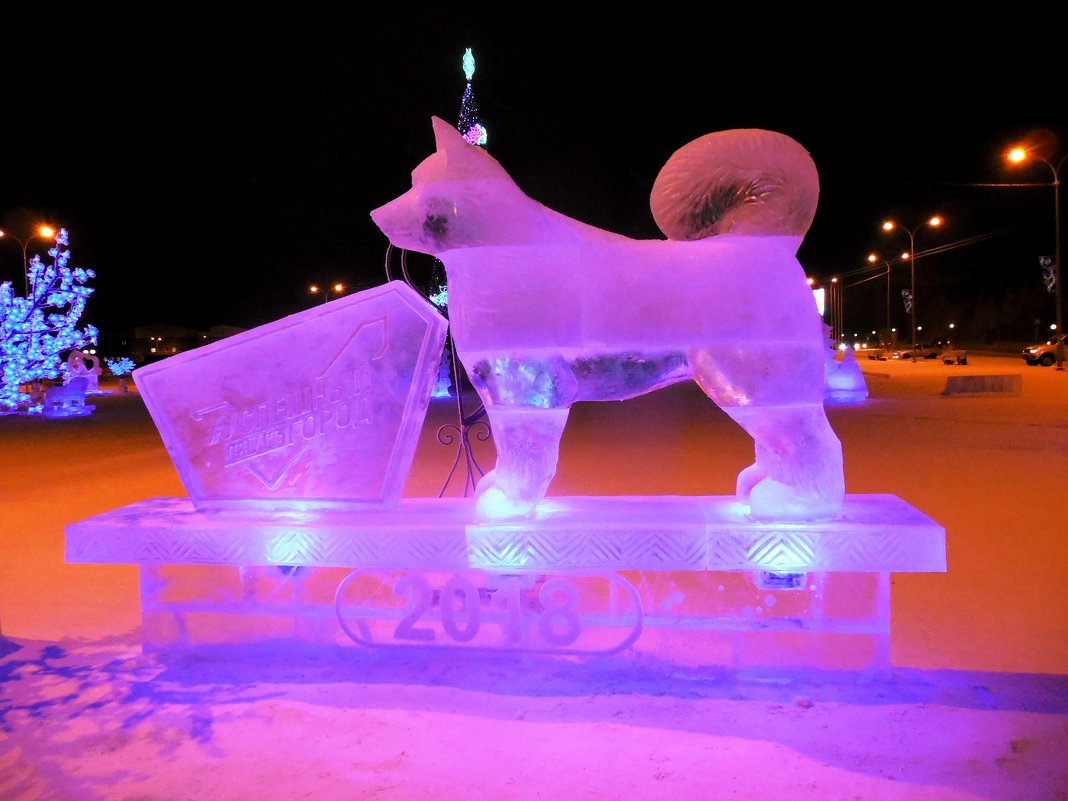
(528, 445)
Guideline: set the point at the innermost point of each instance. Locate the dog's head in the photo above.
(456, 199)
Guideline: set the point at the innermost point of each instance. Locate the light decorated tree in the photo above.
(120, 368)
(470, 125)
(36, 329)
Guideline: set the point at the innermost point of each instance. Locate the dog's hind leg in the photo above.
(798, 472)
(775, 392)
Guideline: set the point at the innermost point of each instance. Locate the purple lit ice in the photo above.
(319, 409)
(547, 311)
(844, 380)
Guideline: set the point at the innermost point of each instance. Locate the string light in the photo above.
(470, 125)
(34, 330)
(120, 366)
(441, 297)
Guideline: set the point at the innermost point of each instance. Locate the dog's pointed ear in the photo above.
(445, 136)
(463, 159)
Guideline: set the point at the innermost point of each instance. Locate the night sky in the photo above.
(211, 162)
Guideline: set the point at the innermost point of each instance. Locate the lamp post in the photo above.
(873, 258)
(1017, 155)
(890, 225)
(315, 289)
(835, 301)
(43, 231)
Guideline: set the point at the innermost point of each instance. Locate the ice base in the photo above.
(692, 577)
(875, 533)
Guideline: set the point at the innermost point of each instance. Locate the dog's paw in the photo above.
(772, 500)
(747, 479)
(493, 504)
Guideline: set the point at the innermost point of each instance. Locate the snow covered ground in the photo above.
(977, 707)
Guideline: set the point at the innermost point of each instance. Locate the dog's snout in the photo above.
(382, 215)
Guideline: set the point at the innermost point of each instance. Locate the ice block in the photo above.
(319, 409)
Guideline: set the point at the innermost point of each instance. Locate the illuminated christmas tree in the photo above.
(34, 330)
(470, 124)
(119, 368)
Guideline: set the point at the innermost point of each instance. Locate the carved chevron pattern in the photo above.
(664, 550)
(324, 547)
(297, 548)
(344, 547)
(672, 550)
(895, 550)
(778, 550)
(880, 537)
(838, 551)
(426, 549)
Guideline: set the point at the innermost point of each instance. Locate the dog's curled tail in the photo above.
(743, 181)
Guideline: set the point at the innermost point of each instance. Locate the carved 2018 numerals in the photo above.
(558, 623)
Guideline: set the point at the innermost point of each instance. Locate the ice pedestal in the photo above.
(688, 578)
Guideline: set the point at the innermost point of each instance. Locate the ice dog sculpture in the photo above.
(546, 310)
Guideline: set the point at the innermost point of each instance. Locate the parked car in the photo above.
(920, 351)
(1045, 353)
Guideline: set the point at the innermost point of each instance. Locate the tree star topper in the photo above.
(469, 64)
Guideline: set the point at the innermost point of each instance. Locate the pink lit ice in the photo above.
(319, 409)
(547, 311)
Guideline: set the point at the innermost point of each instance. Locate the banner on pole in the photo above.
(1049, 272)
(906, 296)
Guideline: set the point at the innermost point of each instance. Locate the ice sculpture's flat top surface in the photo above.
(324, 406)
(876, 533)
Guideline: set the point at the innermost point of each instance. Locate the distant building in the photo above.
(154, 342)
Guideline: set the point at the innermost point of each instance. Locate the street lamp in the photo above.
(890, 225)
(315, 289)
(43, 231)
(872, 258)
(835, 299)
(1020, 154)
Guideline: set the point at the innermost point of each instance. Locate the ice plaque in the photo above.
(321, 409)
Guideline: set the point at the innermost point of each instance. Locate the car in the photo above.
(1044, 353)
(919, 351)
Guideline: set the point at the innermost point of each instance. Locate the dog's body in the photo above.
(546, 311)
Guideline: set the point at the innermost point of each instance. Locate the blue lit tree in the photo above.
(36, 329)
(119, 368)
(470, 125)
